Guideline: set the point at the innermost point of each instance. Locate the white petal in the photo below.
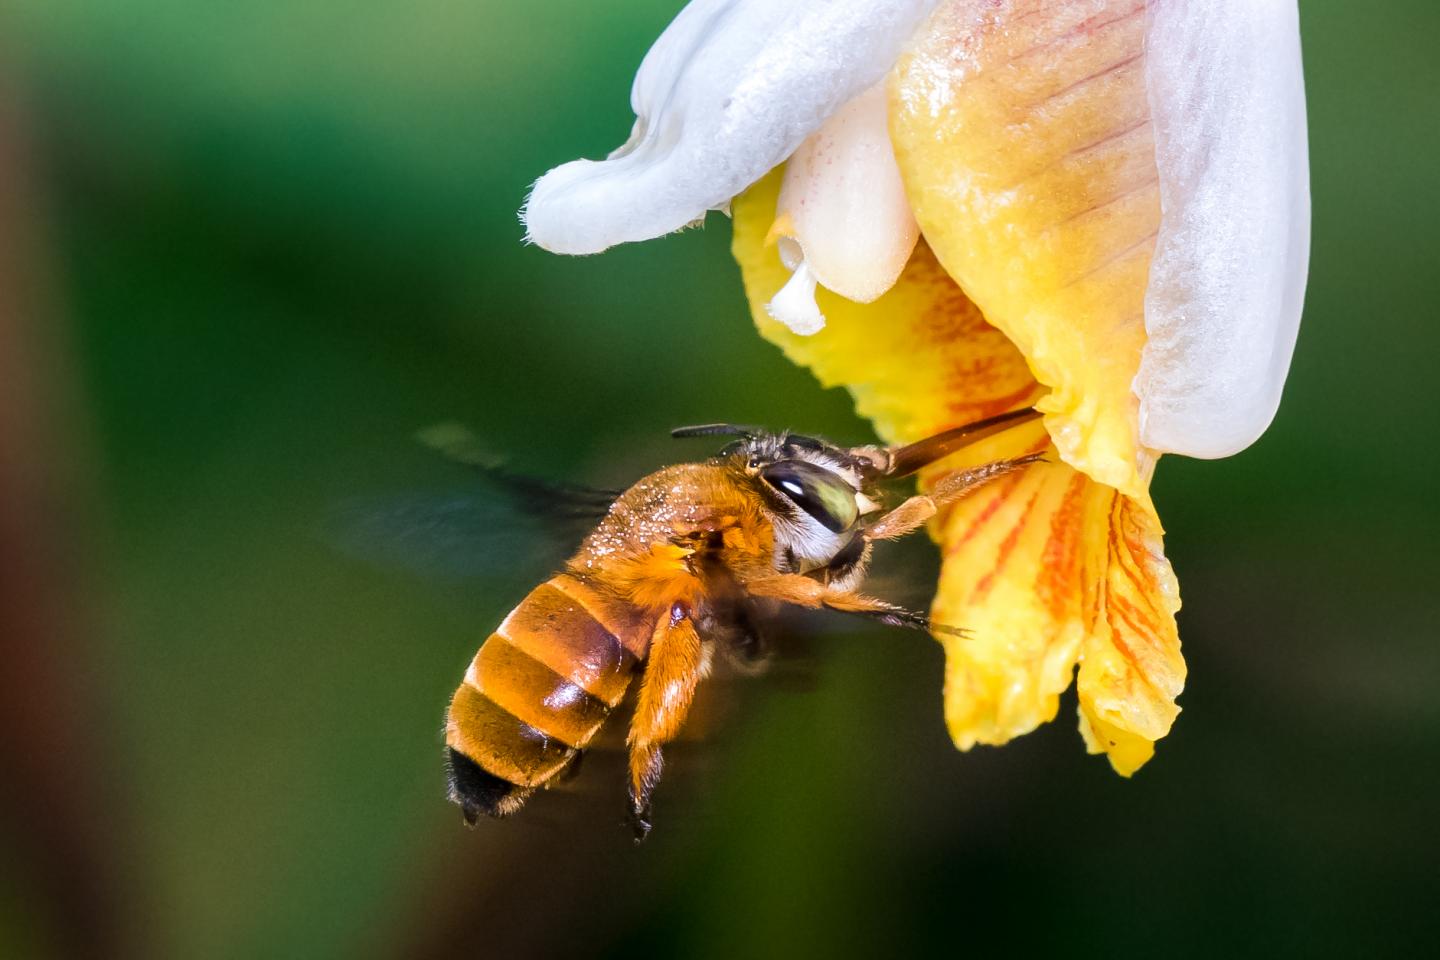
(1227, 281)
(846, 203)
(729, 90)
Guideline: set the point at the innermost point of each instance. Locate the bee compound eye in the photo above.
(824, 495)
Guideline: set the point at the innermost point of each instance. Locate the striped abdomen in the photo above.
(533, 697)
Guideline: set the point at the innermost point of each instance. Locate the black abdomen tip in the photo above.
(478, 791)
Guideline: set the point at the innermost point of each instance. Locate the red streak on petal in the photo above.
(1058, 573)
(1007, 546)
(1087, 28)
(1003, 488)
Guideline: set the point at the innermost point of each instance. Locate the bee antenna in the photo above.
(717, 430)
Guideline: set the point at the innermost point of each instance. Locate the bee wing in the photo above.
(534, 495)
(499, 523)
(453, 535)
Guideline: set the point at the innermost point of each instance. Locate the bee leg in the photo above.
(639, 821)
(913, 513)
(804, 592)
(904, 519)
(673, 668)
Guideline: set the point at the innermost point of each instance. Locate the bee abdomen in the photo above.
(536, 693)
(478, 791)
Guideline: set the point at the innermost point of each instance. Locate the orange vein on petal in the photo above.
(1023, 135)
(1004, 678)
(1132, 671)
(1061, 561)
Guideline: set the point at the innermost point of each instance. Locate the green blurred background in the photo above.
(276, 238)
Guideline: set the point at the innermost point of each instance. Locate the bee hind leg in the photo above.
(673, 669)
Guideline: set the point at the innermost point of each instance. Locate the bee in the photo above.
(676, 568)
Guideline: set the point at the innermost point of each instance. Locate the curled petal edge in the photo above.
(731, 89)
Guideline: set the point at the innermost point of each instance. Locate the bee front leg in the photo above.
(675, 665)
(804, 592)
(913, 513)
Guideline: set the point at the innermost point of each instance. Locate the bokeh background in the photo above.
(248, 249)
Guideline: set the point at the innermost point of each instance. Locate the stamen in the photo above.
(795, 304)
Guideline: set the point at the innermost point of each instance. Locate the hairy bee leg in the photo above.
(903, 520)
(802, 591)
(913, 513)
(673, 668)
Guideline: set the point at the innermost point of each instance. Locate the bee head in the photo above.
(817, 492)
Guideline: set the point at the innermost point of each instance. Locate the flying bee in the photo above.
(675, 569)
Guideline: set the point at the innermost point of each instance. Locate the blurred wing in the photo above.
(532, 495)
(453, 535)
(500, 524)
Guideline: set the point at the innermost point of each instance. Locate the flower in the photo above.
(1096, 206)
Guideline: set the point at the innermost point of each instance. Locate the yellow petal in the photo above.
(1019, 574)
(1131, 670)
(918, 360)
(1042, 567)
(1023, 134)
